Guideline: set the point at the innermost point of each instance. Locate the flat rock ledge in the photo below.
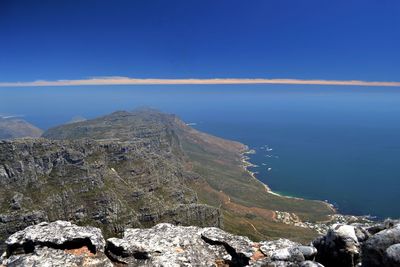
(62, 243)
(59, 243)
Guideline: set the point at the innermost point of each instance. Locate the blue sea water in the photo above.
(340, 144)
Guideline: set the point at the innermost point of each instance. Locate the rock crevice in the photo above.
(62, 243)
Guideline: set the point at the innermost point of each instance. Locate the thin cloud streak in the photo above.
(135, 81)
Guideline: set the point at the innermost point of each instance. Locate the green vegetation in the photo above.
(247, 206)
(136, 169)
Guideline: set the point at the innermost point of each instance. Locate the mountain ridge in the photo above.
(152, 168)
(16, 128)
(246, 205)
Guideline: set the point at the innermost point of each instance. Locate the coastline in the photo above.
(246, 164)
(335, 217)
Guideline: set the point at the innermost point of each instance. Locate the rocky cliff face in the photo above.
(112, 185)
(216, 163)
(122, 170)
(64, 244)
(136, 169)
(145, 125)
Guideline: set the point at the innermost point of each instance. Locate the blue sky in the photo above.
(310, 39)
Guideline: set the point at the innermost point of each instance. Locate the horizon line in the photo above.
(116, 80)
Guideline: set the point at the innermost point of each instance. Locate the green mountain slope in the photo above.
(247, 206)
(138, 181)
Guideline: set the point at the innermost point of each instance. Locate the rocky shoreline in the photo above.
(247, 164)
(293, 219)
(62, 243)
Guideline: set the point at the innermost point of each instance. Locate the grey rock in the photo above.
(3, 173)
(243, 246)
(169, 245)
(16, 201)
(308, 252)
(375, 248)
(18, 220)
(55, 234)
(392, 256)
(339, 247)
(387, 224)
(361, 234)
(45, 257)
(64, 244)
(286, 250)
(268, 247)
(58, 243)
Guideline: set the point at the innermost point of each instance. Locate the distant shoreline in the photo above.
(246, 164)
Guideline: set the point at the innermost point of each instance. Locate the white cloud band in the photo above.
(134, 81)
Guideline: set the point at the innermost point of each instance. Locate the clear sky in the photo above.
(308, 39)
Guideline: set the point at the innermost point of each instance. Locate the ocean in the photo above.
(340, 144)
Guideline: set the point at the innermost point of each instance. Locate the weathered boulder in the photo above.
(58, 243)
(16, 221)
(45, 256)
(378, 250)
(282, 250)
(392, 256)
(308, 252)
(360, 245)
(387, 224)
(339, 247)
(287, 251)
(55, 234)
(169, 245)
(62, 243)
(243, 247)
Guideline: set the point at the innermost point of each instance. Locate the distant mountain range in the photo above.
(13, 127)
(137, 169)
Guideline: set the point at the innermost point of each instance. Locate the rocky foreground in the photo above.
(62, 243)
